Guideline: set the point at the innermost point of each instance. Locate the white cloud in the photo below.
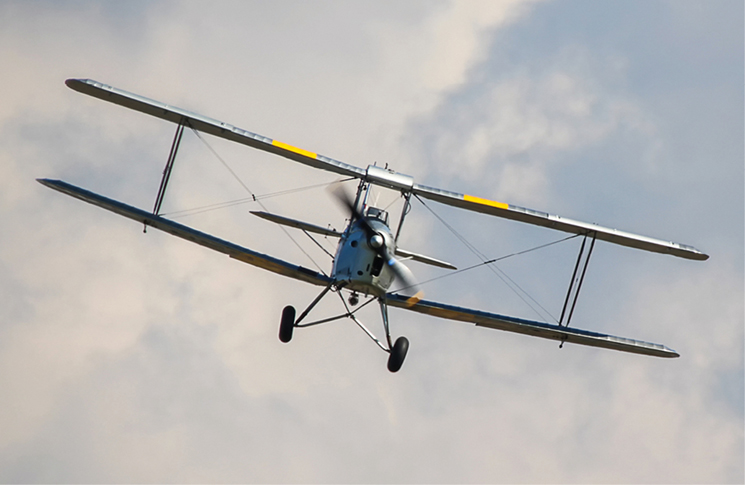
(511, 134)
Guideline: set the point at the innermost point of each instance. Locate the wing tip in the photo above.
(694, 255)
(75, 83)
(671, 354)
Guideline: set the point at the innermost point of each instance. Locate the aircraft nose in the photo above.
(376, 241)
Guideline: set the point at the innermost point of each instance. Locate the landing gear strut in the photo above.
(396, 351)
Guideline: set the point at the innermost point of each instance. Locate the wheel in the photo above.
(287, 324)
(398, 354)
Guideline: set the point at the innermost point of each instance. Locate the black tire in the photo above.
(398, 354)
(287, 324)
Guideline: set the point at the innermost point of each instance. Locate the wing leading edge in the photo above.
(233, 250)
(535, 329)
(376, 175)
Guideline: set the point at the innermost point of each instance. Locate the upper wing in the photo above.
(378, 175)
(551, 221)
(233, 250)
(535, 329)
(211, 126)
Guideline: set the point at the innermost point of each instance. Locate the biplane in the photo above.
(368, 259)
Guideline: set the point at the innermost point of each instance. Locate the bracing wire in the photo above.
(254, 198)
(245, 200)
(494, 260)
(318, 244)
(489, 263)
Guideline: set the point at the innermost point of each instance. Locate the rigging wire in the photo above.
(489, 263)
(253, 196)
(514, 286)
(245, 200)
(494, 260)
(318, 244)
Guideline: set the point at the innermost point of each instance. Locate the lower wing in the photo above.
(480, 318)
(233, 250)
(534, 329)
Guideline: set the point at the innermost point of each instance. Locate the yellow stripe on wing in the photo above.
(413, 300)
(293, 149)
(491, 203)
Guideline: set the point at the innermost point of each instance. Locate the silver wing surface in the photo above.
(517, 213)
(233, 250)
(377, 175)
(528, 327)
(211, 126)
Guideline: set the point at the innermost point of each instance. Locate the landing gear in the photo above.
(398, 354)
(287, 324)
(396, 351)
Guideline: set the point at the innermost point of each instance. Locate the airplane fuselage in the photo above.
(358, 264)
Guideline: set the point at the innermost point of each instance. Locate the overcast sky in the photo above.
(143, 358)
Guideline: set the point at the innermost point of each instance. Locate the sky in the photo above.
(131, 357)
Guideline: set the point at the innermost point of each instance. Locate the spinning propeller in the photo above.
(377, 242)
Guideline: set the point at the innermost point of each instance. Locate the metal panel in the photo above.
(389, 178)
